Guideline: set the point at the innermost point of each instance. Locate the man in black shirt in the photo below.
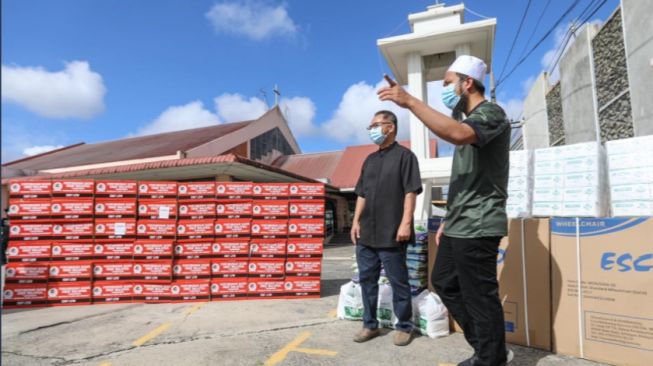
(383, 223)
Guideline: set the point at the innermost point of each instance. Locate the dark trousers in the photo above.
(465, 278)
(369, 269)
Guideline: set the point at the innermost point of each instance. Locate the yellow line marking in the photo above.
(293, 346)
(194, 308)
(333, 313)
(144, 339)
(316, 351)
(105, 364)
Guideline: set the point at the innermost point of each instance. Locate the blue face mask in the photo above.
(377, 136)
(449, 96)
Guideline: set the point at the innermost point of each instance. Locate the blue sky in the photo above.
(91, 71)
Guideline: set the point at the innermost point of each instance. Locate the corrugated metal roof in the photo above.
(127, 149)
(316, 165)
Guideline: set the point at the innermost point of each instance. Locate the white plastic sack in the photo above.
(384, 312)
(430, 315)
(350, 302)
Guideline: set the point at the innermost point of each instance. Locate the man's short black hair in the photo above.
(388, 115)
(478, 86)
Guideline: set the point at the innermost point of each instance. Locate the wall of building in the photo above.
(554, 113)
(536, 121)
(611, 79)
(638, 34)
(604, 90)
(576, 89)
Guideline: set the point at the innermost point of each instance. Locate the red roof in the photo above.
(315, 165)
(342, 168)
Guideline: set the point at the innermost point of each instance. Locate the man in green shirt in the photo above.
(465, 274)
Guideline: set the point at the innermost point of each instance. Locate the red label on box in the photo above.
(195, 229)
(73, 230)
(197, 209)
(72, 250)
(29, 209)
(73, 187)
(30, 189)
(153, 249)
(234, 208)
(302, 286)
(71, 271)
(228, 288)
(191, 269)
(262, 287)
(306, 209)
(69, 293)
(231, 248)
(152, 291)
(190, 290)
(193, 249)
(21, 272)
(306, 227)
(153, 270)
(157, 189)
(304, 266)
(270, 190)
(235, 267)
(113, 271)
(113, 250)
(157, 229)
(115, 228)
(30, 230)
(116, 188)
(195, 190)
(305, 248)
(112, 291)
(21, 295)
(307, 190)
(232, 227)
(72, 208)
(234, 189)
(157, 208)
(115, 207)
(270, 228)
(29, 251)
(270, 208)
(268, 248)
(266, 268)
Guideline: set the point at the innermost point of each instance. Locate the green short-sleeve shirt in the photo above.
(476, 206)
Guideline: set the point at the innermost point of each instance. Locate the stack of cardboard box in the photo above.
(83, 241)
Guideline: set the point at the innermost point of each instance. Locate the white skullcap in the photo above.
(471, 66)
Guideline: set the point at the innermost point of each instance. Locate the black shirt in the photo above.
(387, 176)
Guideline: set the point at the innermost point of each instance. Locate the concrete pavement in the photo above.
(258, 332)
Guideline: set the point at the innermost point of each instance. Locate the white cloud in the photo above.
(75, 92)
(235, 107)
(191, 115)
(300, 114)
(19, 141)
(35, 150)
(255, 19)
(513, 108)
(355, 111)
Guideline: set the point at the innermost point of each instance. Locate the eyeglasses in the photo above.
(378, 125)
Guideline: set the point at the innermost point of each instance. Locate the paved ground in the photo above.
(262, 332)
